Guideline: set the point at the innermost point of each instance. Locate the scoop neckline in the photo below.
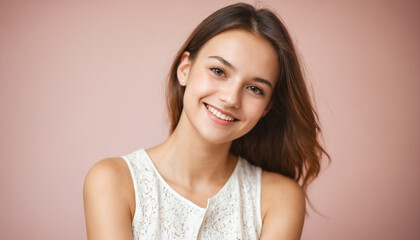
(184, 199)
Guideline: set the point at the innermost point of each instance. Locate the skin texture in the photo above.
(232, 72)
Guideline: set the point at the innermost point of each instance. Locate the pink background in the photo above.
(80, 81)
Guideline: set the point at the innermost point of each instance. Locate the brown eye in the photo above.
(219, 72)
(256, 90)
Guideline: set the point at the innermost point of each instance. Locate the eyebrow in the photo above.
(229, 65)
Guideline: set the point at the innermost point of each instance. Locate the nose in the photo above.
(230, 95)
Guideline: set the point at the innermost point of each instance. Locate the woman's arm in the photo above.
(283, 207)
(107, 198)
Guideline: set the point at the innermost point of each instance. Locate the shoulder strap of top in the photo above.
(136, 164)
(251, 177)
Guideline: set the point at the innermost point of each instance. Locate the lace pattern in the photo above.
(161, 213)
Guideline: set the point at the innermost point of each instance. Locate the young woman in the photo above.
(242, 150)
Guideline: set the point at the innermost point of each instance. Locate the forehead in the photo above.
(246, 51)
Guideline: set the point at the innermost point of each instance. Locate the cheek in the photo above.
(256, 110)
(201, 84)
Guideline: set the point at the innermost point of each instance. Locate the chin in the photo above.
(214, 138)
(218, 137)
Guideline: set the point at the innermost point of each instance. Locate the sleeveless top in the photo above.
(162, 213)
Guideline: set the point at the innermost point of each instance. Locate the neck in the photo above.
(191, 160)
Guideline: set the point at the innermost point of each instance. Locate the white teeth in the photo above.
(219, 114)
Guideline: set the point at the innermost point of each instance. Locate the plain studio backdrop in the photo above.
(84, 80)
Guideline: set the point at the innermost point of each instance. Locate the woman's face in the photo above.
(228, 85)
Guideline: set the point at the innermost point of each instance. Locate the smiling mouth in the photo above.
(220, 115)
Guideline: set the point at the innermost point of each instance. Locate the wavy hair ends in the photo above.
(285, 140)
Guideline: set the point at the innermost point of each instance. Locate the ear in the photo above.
(267, 109)
(183, 68)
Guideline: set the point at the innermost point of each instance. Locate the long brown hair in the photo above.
(285, 139)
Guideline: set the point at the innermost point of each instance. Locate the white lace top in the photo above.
(161, 213)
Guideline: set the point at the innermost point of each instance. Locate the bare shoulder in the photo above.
(281, 187)
(108, 166)
(282, 207)
(109, 173)
(108, 199)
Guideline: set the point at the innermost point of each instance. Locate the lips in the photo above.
(220, 114)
